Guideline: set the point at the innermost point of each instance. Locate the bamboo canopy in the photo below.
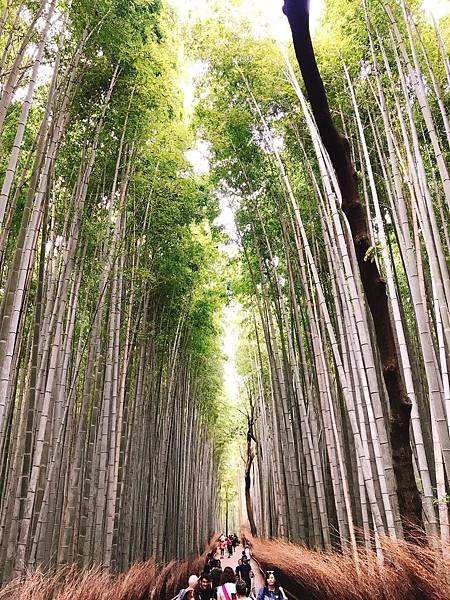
(224, 295)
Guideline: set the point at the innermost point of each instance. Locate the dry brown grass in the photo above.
(409, 572)
(143, 581)
(87, 584)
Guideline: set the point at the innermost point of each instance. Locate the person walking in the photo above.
(229, 546)
(208, 562)
(271, 590)
(247, 551)
(244, 572)
(234, 539)
(222, 546)
(227, 589)
(216, 576)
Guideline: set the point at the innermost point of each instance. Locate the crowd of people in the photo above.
(229, 543)
(215, 583)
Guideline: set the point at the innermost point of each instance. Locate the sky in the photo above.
(268, 18)
(266, 15)
(438, 8)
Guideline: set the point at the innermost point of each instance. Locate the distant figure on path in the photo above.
(271, 589)
(229, 546)
(247, 552)
(189, 592)
(222, 545)
(227, 589)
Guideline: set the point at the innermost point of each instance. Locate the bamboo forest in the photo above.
(225, 299)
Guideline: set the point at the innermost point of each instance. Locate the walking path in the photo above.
(232, 562)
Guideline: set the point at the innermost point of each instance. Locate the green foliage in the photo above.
(170, 247)
(372, 252)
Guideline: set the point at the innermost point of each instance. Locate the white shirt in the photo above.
(231, 589)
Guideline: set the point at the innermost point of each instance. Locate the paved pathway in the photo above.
(232, 562)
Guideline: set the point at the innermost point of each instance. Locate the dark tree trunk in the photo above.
(248, 500)
(248, 467)
(297, 12)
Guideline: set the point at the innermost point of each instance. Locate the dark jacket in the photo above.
(243, 571)
(215, 575)
(204, 594)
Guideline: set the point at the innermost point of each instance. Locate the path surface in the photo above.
(232, 562)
